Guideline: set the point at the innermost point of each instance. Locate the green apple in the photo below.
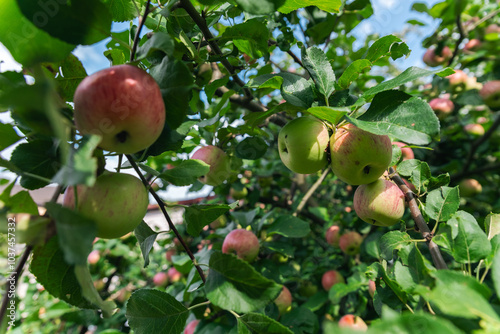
(117, 203)
(284, 300)
(123, 104)
(353, 322)
(243, 243)
(350, 242)
(358, 156)
(302, 145)
(380, 203)
(238, 194)
(469, 187)
(490, 93)
(443, 107)
(307, 289)
(220, 168)
(330, 278)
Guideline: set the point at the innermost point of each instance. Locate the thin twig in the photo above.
(411, 199)
(461, 37)
(311, 191)
(483, 19)
(163, 209)
(142, 20)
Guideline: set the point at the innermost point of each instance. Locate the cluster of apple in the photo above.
(357, 157)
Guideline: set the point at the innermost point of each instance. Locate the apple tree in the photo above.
(344, 192)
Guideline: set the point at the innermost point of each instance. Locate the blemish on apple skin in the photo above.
(356, 163)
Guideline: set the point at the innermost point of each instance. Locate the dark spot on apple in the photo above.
(374, 221)
(367, 169)
(356, 162)
(122, 136)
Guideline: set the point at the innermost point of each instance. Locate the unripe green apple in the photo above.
(330, 278)
(469, 187)
(160, 279)
(190, 328)
(358, 156)
(307, 289)
(243, 243)
(302, 145)
(220, 168)
(350, 242)
(353, 322)
(490, 93)
(124, 105)
(238, 194)
(474, 129)
(284, 300)
(333, 235)
(442, 107)
(380, 203)
(406, 152)
(117, 203)
(432, 59)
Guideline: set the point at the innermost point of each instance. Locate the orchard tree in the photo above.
(345, 193)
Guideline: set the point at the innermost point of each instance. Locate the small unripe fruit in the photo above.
(490, 93)
(353, 322)
(350, 242)
(372, 287)
(284, 300)
(432, 59)
(333, 235)
(160, 279)
(406, 152)
(169, 253)
(174, 275)
(474, 129)
(457, 78)
(330, 278)
(379, 203)
(243, 243)
(190, 328)
(472, 45)
(94, 257)
(219, 162)
(443, 107)
(469, 187)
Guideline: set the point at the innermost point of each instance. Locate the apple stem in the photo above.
(417, 216)
(163, 209)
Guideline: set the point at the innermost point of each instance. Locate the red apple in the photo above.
(219, 162)
(284, 300)
(124, 105)
(332, 235)
(353, 322)
(474, 129)
(243, 243)
(174, 275)
(358, 156)
(490, 93)
(432, 59)
(406, 152)
(169, 254)
(372, 287)
(379, 203)
(330, 278)
(93, 257)
(190, 328)
(472, 45)
(350, 242)
(492, 29)
(469, 187)
(160, 279)
(442, 106)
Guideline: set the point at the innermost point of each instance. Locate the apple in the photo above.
(220, 168)
(358, 156)
(442, 106)
(174, 275)
(238, 194)
(93, 257)
(160, 279)
(353, 322)
(472, 45)
(350, 242)
(307, 289)
(330, 278)
(221, 221)
(117, 203)
(406, 152)
(123, 104)
(302, 145)
(474, 129)
(243, 243)
(490, 93)
(284, 300)
(372, 287)
(469, 187)
(492, 29)
(190, 328)
(432, 59)
(457, 78)
(332, 235)
(169, 254)
(380, 203)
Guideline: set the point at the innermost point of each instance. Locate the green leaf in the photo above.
(441, 204)
(256, 323)
(400, 115)
(159, 45)
(169, 140)
(249, 37)
(391, 241)
(121, 10)
(28, 44)
(175, 81)
(57, 277)
(186, 173)
(385, 46)
(8, 136)
(331, 6)
(22, 202)
(408, 323)
(260, 7)
(340, 290)
(447, 277)
(329, 114)
(71, 73)
(301, 320)
(198, 216)
(495, 271)
(251, 148)
(418, 171)
(470, 243)
(81, 165)
(154, 311)
(296, 90)
(39, 157)
(290, 227)
(146, 237)
(376, 270)
(233, 284)
(320, 69)
(492, 224)
(76, 233)
(353, 71)
(74, 22)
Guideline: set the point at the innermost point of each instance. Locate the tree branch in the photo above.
(461, 37)
(142, 20)
(311, 191)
